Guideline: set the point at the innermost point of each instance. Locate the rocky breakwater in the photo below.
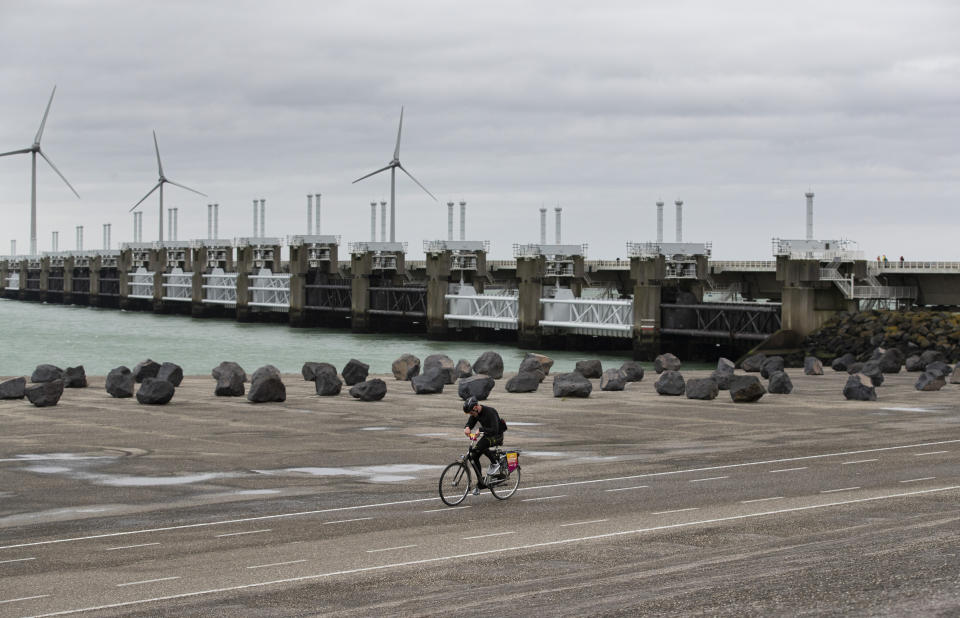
(911, 332)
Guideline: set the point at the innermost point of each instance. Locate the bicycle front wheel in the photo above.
(508, 487)
(454, 483)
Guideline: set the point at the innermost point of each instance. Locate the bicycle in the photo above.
(456, 479)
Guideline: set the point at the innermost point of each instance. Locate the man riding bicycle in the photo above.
(492, 428)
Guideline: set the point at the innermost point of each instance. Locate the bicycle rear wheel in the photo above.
(454, 483)
(506, 488)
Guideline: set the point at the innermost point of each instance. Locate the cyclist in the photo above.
(492, 427)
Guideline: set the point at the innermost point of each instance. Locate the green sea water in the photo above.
(101, 339)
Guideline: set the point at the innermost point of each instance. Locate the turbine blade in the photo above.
(157, 148)
(13, 152)
(44, 121)
(155, 187)
(64, 178)
(382, 169)
(418, 183)
(185, 187)
(396, 151)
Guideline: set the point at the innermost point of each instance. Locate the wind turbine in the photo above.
(159, 185)
(34, 151)
(392, 166)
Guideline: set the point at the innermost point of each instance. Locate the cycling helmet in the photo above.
(469, 403)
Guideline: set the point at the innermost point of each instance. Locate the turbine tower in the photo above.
(34, 151)
(392, 166)
(159, 185)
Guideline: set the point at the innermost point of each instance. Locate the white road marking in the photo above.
(148, 581)
(830, 491)
(346, 521)
(787, 470)
(483, 536)
(373, 551)
(930, 453)
(712, 478)
(692, 508)
(220, 536)
(416, 500)
(626, 488)
(583, 523)
(761, 499)
(16, 560)
(544, 498)
(486, 552)
(131, 546)
(859, 461)
(449, 508)
(39, 596)
(263, 566)
(926, 478)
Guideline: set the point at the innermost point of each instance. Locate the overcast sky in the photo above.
(602, 108)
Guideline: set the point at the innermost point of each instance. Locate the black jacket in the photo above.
(489, 421)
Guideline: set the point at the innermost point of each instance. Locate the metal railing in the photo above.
(589, 317)
(220, 288)
(398, 301)
(720, 266)
(918, 267)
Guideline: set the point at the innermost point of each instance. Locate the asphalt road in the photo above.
(630, 503)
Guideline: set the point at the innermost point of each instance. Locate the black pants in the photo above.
(483, 448)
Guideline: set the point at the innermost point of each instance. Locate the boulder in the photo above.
(43, 394)
(489, 363)
(632, 371)
(46, 373)
(120, 382)
(405, 367)
(859, 388)
(612, 380)
(890, 360)
(931, 356)
(155, 392)
(855, 368)
(666, 362)
(476, 386)
(430, 382)
(746, 389)
(266, 386)
(171, 372)
(228, 367)
(13, 389)
(589, 368)
(725, 365)
(530, 364)
(843, 363)
(75, 377)
(753, 363)
(954, 377)
(780, 383)
(527, 382)
(230, 383)
(938, 368)
(929, 382)
(355, 372)
(670, 383)
(327, 383)
(914, 363)
(723, 377)
(812, 366)
(872, 370)
(571, 385)
(145, 369)
(772, 365)
(546, 363)
(464, 369)
(702, 388)
(443, 364)
(310, 370)
(371, 390)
